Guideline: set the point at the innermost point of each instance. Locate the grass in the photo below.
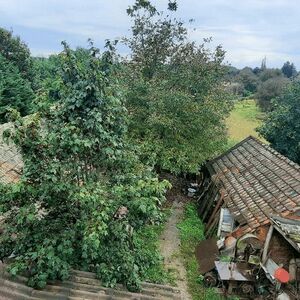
(150, 236)
(191, 232)
(243, 120)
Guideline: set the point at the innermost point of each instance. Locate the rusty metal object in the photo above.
(229, 271)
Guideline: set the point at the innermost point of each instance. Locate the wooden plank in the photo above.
(216, 209)
(204, 196)
(211, 229)
(267, 244)
(209, 205)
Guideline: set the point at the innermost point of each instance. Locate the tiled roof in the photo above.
(257, 182)
(289, 227)
(11, 163)
(81, 286)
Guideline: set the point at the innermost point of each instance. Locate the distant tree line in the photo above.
(263, 83)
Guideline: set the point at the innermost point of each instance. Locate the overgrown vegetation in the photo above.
(15, 91)
(262, 83)
(84, 194)
(104, 126)
(175, 92)
(282, 128)
(149, 238)
(191, 233)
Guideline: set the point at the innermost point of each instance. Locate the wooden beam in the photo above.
(267, 244)
(216, 209)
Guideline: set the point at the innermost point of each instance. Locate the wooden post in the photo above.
(267, 244)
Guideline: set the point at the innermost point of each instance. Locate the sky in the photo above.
(248, 30)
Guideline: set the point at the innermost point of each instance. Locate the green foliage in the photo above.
(249, 80)
(84, 194)
(191, 233)
(175, 96)
(281, 128)
(270, 89)
(289, 69)
(17, 52)
(48, 72)
(15, 91)
(269, 73)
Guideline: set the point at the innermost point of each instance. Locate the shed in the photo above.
(249, 183)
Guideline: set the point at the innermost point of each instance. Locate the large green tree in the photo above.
(15, 91)
(249, 80)
(17, 52)
(84, 195)
(282, 127)
(175, 91)
(269, 90)
(289, 69)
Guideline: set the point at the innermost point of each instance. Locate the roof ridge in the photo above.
(279, 155)
(267, 147)
(230, 149)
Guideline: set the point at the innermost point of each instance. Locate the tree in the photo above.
(289, 69)
(17, 52)
(15, 91)
(263, 64)
(281, 128)
(248, 79)
(270, 73)
(175, 92)
(269, 90)
(84, 194)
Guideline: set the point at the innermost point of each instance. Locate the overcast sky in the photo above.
(247, 29)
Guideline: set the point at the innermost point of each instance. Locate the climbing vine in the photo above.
(84, 193)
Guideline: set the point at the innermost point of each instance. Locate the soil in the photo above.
(170, 241)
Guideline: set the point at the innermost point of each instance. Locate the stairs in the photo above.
(80, 286)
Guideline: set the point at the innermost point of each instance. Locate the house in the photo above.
(250, 199)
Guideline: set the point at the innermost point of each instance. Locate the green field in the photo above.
(243, 120)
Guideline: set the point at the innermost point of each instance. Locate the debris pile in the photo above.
(249, 200)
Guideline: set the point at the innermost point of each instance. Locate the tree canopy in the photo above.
(175, 93)
(289, 69)
(84, 194)
(270, 89)
(15, 91)
(282, 128)
(17, 52)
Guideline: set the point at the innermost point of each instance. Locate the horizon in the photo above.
(248, 31)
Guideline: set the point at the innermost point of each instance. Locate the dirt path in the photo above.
(170, 248)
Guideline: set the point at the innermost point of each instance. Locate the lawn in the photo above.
(243, 120)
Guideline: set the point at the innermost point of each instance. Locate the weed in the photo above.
(156, 273)
(191, 231)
